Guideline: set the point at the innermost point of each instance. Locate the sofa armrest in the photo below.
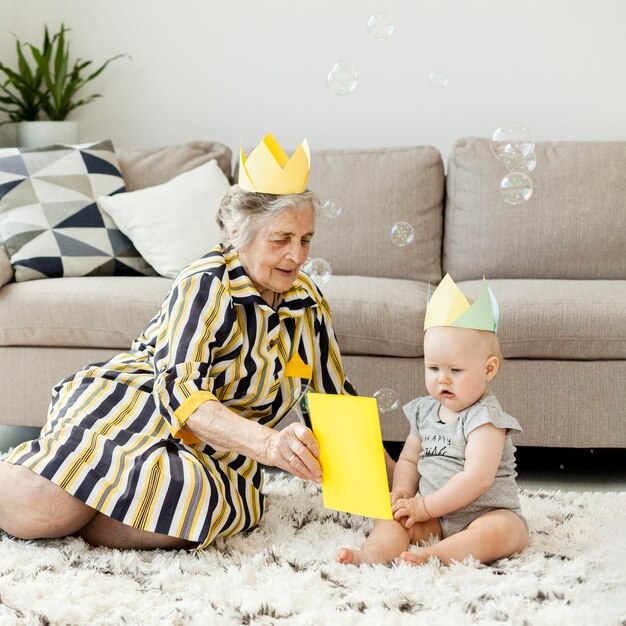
(6, 269)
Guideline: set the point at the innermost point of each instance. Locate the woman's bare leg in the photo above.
(32, 507)
(491, 536)
(388, 540)
(107, 532)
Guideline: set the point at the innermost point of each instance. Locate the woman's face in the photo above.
(273, 259)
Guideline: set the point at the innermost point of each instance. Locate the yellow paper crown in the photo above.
(267, 169)
(449, 307)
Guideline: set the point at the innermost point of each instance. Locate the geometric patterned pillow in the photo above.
(50, 223)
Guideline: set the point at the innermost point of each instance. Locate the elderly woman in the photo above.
(161, 446)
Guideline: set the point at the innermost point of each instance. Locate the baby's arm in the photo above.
(482, 457)
(406, 477)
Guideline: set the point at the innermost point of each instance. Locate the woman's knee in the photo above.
(32, 507)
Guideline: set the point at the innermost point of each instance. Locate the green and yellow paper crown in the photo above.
(267, 169)
(449, 307)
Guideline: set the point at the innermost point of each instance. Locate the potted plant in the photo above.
(43, 90)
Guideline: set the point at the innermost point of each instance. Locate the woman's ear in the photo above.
(491, 369)
(232, 234)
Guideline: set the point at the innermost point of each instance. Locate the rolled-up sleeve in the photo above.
(195, 321)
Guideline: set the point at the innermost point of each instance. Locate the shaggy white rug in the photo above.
(283, 572)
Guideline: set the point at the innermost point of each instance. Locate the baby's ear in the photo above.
(492, 366)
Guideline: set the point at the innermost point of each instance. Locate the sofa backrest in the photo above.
(573, 226)
(147, 167)
(378, 188)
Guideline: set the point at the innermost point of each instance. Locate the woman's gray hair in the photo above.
(243, 213)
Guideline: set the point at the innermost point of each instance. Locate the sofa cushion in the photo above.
(378, 188)
(158, 219)
(545, 319)
(146, 167)
(89, 312)
(371, 315)
(49, 220)
(573, 226)
(559, 319)
(377, 316)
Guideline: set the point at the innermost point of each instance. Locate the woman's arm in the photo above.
(294, 449)
(197, 319)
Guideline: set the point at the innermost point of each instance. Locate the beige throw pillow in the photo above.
(172, 224)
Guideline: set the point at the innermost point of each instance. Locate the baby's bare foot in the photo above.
(358, 557)
(415, 558)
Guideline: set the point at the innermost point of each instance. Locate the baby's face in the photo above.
(457, 366)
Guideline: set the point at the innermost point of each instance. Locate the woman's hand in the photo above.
(412, 509)
(294, 449)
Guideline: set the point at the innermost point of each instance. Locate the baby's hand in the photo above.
(412, 509)
(396, 494)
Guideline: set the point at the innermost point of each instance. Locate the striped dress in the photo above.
(115, 435)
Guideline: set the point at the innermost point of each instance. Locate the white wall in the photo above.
(239, 68)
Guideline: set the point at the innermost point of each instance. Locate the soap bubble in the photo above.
(438, 79)
(386, 399)
(522, 163)
(516, 187)
(402, 234)
(332, 208)
(299, 391)
(512, 141)
(342, 78)
(381, 25)
(318, 269)
(300, 403)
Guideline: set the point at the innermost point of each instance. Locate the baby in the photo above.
(458, 457)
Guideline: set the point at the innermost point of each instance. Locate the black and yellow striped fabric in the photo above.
(115, 435)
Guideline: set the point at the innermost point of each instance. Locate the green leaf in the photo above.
(46, 82)
(22, 64)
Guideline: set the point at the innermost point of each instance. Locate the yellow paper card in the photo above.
(354, 478)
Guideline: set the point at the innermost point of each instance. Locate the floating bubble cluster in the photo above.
(318, 269)
(342, 78)
(402, 234)
(513, 144)
(386, 399)
(332, 207)
(381, 25)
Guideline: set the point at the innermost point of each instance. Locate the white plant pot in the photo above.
(37, 134)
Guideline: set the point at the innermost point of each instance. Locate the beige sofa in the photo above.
(557, 265)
